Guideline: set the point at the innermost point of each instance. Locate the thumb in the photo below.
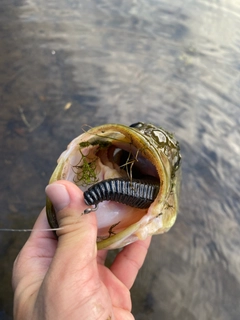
(78, 231)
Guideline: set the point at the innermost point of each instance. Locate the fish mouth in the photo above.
(113, 163)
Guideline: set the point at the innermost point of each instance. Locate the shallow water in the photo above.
(68, 63)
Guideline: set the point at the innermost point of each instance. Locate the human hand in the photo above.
(65, 278)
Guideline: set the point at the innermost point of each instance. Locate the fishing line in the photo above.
(29, 230)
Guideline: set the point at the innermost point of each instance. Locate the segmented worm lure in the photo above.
(135, 193)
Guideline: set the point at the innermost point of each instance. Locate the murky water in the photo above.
(67, 63)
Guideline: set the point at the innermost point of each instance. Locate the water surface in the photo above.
(68, 63)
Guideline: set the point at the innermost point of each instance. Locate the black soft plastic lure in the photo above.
(135, 193)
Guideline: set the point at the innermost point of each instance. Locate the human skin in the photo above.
(65, 277)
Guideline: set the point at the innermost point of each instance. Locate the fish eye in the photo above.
(136, 125)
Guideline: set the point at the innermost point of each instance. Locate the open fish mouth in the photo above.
(129, 175)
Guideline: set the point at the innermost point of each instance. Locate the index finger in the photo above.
(128, 262)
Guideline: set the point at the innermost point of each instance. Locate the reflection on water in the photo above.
(65, 64)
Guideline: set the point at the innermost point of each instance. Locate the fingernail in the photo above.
(58, 195)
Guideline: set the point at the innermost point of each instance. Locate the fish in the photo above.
(130, 176)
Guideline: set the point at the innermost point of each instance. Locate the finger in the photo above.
(123, 314)
(101, 256)
(77, 234)
(41, 228)
(128, 262)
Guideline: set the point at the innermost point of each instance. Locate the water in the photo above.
(175, 64)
